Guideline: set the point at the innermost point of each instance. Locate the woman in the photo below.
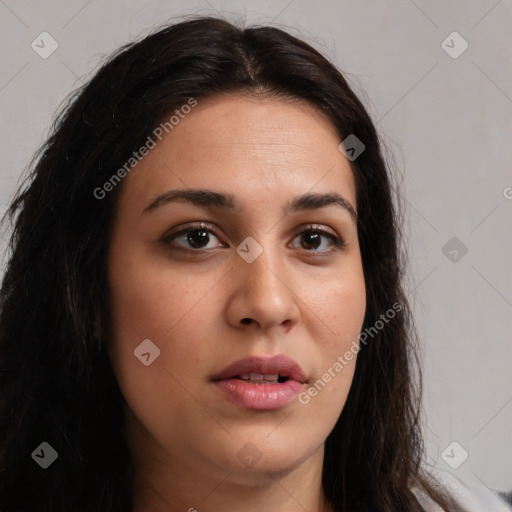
(203, 308)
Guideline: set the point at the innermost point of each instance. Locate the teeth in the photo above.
(258, 377)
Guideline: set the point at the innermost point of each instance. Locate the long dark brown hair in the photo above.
(56, 381)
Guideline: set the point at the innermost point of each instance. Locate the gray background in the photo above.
(446, 122)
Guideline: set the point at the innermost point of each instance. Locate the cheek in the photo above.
(336, 311)
(171, 309)
(175, 309)
(339, 305)
(154, 301)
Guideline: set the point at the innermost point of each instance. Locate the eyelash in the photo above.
(166, 240)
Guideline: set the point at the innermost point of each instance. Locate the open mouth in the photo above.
(261, 383)
(256, 370)
(259, 378)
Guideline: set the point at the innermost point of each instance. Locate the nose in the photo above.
(263, 294)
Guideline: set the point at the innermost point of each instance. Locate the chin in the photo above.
(273, 467)
(257, 457)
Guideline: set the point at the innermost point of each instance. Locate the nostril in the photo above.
(246, 320)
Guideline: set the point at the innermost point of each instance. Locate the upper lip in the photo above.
(280, 364)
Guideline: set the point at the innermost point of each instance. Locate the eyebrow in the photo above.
(226, 201)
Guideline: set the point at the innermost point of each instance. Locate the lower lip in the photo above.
(263, 397)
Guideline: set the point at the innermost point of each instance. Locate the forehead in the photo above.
(260, 148)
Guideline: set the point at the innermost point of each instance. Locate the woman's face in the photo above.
(261, 277)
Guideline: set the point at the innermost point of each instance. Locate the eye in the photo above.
(311, 240)
(201, 238)
(195, 238)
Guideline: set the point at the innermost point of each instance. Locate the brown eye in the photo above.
(197, 238)
(193, 238)
(312, 240)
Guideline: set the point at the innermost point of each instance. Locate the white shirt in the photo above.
(470, 497)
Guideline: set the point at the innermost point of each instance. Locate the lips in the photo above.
(260, 383)
(263, 369)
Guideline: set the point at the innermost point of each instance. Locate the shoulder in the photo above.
(469, 496)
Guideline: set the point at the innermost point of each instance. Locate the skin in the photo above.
(305, 300)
